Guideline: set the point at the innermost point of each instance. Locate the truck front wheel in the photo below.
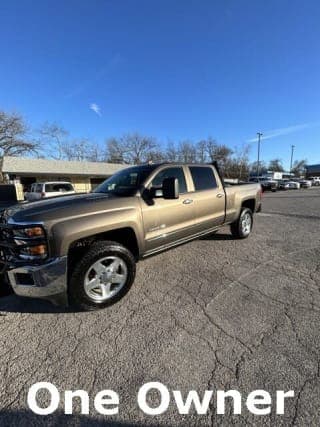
(241, 228)
(102, 276)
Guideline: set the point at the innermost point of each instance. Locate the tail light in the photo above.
(43, 194)
(260, 192)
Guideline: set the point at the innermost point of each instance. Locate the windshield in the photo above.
(125, 182)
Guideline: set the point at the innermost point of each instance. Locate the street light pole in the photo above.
(258, 163)
(292, 150)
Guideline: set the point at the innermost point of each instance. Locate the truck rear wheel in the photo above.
(102, 277)
(241, 228)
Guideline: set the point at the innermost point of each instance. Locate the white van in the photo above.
(43, 190)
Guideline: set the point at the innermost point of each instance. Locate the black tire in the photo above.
(5, 287)
(237, 228)
(77, 294)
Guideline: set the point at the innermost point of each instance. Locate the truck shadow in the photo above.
(218, 236)
(28, 418)
(15, 304)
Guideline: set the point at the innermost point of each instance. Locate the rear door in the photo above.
(208, 197)
(166, 221)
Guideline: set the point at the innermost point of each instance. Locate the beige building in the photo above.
(84, 176)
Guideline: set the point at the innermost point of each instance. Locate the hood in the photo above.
(60, 207)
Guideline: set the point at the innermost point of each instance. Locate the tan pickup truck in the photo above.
(82, 249)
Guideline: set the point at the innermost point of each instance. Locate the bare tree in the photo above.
(211, 146)
(131, 148)
(155, 156)
(240, 163)
(96, 153)
(115, 151)
(138, 147)
(201, 149)
(13, 136)
(218, 152)
(77, 150)
(59, 147)
(56, 140)
(187, 152)
(222, 155)
(262, 167)
(299, 167)
(171, 153)
(275, 165)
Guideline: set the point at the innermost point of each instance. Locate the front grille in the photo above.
(3, 261)
(8, 249)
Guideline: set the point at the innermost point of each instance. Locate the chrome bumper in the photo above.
(47, 281)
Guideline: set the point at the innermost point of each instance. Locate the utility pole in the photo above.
(292, 150)
(258, 162)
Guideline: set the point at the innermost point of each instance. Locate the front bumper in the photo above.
(47, 281)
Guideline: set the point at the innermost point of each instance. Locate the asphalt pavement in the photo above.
(216, 313)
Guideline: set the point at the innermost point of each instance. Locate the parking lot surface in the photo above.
(215, 313)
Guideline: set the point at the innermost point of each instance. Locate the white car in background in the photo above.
(292, 185)
(43, 190)
(305, 183)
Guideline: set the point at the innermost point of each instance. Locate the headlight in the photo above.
(39, 251)
(29, 232)
(31, 242)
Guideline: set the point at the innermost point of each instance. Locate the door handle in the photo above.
(219, 195)
(187, 201)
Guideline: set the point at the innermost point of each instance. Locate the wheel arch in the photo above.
(249, 203)
(125, 236)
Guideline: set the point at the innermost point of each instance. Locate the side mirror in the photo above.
(170, 188)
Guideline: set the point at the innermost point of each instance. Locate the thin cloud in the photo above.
(274, 133)
(95, 107)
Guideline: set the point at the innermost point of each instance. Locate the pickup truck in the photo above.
(82, 249)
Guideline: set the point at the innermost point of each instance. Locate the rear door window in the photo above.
(203, 178)
(57, 187)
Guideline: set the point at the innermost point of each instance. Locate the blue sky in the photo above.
(173, 69)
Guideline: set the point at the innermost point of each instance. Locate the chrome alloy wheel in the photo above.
(246, 224)
(105, 278)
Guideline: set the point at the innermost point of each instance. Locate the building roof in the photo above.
(24, 165)
(311, 168)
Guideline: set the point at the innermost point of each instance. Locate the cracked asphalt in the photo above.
(216, 313)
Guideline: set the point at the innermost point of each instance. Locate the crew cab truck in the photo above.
(82, 249)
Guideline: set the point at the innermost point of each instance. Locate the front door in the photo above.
(167, 221)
